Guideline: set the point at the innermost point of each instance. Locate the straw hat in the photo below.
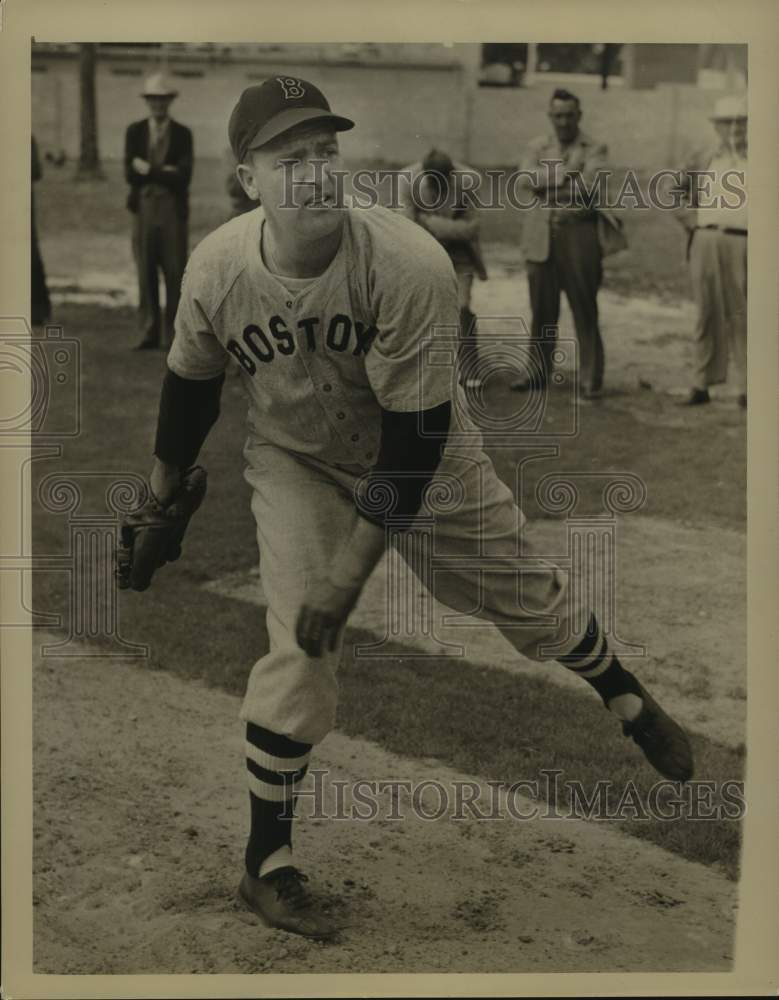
(157, 86)
(728, 108)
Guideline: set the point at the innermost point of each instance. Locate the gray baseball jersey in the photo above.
(320, 358)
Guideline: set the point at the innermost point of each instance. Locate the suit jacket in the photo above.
(590, 158)
(456, 229)
(179, 155)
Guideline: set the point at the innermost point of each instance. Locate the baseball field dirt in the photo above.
(140, 820)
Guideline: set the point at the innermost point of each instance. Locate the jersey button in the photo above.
(341, 415)
(289, 304)
(327, 388)
(355, 437)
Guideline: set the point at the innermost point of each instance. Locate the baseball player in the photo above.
(328, 310)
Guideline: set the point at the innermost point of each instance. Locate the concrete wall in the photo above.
(649, 64)
(645, 129)
(400, 110)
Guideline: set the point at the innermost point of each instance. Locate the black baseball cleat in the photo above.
(592, 393)
(696, 397)
(280, 899)
(664, 742)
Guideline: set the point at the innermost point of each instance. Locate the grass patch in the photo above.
(695, 475)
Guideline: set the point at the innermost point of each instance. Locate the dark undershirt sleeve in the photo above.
(412, 444)
(188, 410)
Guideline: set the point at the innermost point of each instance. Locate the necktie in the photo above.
(158, 143)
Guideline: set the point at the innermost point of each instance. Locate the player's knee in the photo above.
(292, 693)
(303, 723)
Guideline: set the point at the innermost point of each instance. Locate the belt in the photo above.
(572, 218)
(725, 229)
(155, 191)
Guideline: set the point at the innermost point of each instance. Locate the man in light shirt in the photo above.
(713, 211)
(158, 168)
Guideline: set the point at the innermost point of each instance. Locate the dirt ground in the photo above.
(140, 819)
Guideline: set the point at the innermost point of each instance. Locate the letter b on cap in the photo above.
(290, 86)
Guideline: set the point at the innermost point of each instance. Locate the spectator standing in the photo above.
(431, 196)
(564, 241)
(158, 157)
(40, 304)
(713, 211)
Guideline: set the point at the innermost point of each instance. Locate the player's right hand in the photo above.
(323, 616)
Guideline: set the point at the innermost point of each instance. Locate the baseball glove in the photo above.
(151, 536)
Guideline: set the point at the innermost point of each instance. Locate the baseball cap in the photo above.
(269, 109)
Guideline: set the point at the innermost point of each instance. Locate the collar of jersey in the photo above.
(263, 268)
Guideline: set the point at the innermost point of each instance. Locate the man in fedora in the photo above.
(158, 168)
(713, 211)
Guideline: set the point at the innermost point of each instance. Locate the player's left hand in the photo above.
(152, 535)
(323, 615)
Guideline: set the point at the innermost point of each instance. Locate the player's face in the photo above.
(293, 179)
(565, 116)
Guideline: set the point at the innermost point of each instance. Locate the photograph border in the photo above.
(756, 966)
